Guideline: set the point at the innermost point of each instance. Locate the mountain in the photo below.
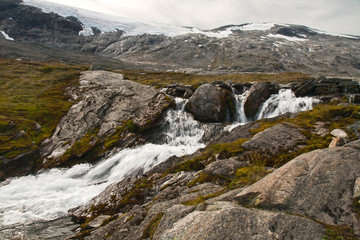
(251, 47)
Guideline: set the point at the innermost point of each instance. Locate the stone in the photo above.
(225, 168)
(228, 221)
(336, 142)
(357, 188)
(171, 216)
(305, 88)
(318, 184)
(98, 221)
(209, 104)
(105, 101)
(339, 133)
(281, 137)
(257, 95)
(241, 131)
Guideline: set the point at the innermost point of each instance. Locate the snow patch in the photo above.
(336, 34)
(6, 36)
(291, 39)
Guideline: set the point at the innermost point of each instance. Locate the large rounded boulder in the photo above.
(258, 94)
(210, 104)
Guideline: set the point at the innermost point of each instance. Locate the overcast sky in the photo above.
(335, 16)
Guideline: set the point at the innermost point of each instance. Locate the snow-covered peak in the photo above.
(109, 23)
(131, 27)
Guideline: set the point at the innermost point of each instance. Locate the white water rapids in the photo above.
(50, 194)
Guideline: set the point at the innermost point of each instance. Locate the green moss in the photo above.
(339, 233)
(246, 176)
(150, 229)
(203, 198)
(207, 177)
(109, 220)
(356, 207)
(120, 133)
(161, 79)
(31, 94)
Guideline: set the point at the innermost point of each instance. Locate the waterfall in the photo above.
(283, 102)
(50, 194)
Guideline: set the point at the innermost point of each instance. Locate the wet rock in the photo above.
(227, 221)
(209, 104)
(241, 131)
(305, 88)
(281, 137)
(98, 221)
(258, 94)
(318, 184)
(181, 91)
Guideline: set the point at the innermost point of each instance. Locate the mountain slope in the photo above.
(254, 47)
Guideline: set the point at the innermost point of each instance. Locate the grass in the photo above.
(160, 79)
(32, 95)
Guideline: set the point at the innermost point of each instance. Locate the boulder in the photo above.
(223, 220)
(340, 138)
(209, 104)
(281, 137)
(305, 88)
(225, 168)
(105, 102)
(258, 94)
(241, 131)
(318, 185)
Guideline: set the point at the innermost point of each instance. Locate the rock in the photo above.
(225, 168)
(340, 138)
(209, 104)
(320, 129)
(171, 216)
(357, 188)
(355, 128)
(228, 221)
(180, 91)
(339, 133)
(238, 132)
(98, 221)
(305, 88)
(337, 142)
(318, 184)
(281, 137)
(258, 94)
(105, 102)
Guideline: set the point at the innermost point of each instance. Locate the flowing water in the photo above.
(50, 194)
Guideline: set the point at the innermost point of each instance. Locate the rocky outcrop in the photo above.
(274, 140)
(318, 185)
(258, 94)
(107, 105)
(223, 220)
(210, 104)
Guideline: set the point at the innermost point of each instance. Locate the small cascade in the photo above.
(239, 104)
(50, 194)
(283, 102)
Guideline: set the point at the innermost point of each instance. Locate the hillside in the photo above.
(251, 47)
